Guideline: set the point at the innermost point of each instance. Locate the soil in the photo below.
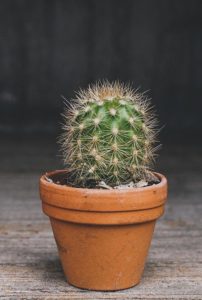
(67, 178)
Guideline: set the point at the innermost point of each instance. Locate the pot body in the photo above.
(101, 257)
(103, 237)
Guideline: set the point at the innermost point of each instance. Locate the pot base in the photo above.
(102, 257)
(98, 290)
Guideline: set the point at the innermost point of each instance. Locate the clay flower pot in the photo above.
(103, 236)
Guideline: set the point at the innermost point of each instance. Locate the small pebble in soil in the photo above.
(48, 179)
(131, 184)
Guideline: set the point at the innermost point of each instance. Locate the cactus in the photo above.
(109, 135)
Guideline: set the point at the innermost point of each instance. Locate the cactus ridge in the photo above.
(109, 134)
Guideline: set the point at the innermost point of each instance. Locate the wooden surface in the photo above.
(29, 264)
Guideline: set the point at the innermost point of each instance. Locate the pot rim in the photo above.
(43, 179)
(84, 199)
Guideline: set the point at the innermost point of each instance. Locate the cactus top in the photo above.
(109, 133)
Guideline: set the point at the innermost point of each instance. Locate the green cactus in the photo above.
(109, 133)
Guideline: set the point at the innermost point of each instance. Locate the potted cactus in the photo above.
(104, 205)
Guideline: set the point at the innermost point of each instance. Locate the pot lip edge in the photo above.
(43, 181)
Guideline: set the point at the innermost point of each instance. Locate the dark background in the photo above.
(49, 48)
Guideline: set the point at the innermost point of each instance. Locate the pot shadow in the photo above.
(149, 273)
(149, 269)
(47, 271)
(48, 268)
(44, 265)
(51, 268)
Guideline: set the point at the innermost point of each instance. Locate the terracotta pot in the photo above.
(103, 236)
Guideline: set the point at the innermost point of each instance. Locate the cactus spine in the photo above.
(109, 133)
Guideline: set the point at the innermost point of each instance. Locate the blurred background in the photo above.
(50, 48)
